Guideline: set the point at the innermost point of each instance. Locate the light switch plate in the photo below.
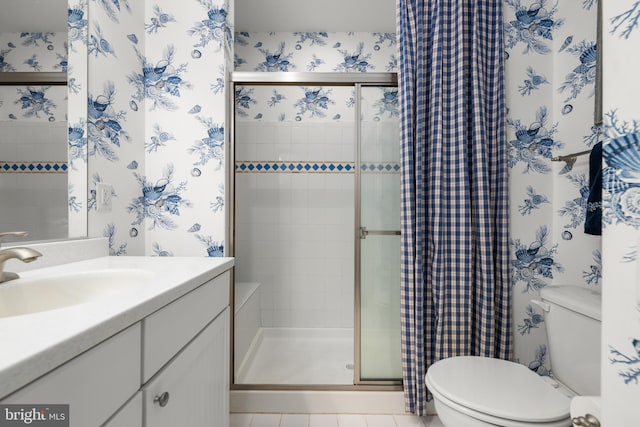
(104, 197)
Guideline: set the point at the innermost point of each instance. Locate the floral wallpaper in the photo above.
(30, 51)
(550, 81)
(77, 84)
(317, 51)
(621, 323)
(156, 128)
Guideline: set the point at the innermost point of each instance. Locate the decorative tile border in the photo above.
(294, 167)
(34, 167)
(313, 167)
(381, 167)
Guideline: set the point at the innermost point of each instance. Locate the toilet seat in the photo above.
(497, 391)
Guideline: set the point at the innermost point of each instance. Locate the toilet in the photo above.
(473, 391)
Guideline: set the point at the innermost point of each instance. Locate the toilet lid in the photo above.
(498, 388)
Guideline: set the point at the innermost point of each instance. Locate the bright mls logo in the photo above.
(34, 415)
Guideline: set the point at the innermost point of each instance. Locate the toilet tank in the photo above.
(573, 323)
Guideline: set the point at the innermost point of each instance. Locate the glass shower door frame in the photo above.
(356, 80)
(361, 233)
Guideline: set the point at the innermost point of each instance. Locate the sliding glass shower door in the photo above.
(316, 180)
(378, 182)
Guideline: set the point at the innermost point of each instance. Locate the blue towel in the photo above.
(593, 222)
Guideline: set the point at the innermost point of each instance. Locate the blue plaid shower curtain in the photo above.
(455, 292)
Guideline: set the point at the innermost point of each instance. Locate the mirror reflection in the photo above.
(34, 120)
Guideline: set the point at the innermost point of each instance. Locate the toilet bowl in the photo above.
(473, 391)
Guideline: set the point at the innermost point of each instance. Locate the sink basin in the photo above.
(36, 294)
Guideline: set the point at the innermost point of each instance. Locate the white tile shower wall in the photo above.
(34, 202)
(294, 230)
(295, 236)
(29, 142)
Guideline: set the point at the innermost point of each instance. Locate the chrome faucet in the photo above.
(23, 254)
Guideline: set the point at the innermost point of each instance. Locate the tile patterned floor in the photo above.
(331, 420)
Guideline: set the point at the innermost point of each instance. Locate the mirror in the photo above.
(42, 132)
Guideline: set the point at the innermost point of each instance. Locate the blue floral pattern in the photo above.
(275, 61)
(388, 104)
(158, 139)
(244, 100)
(594, 274)
(212, 146)
(538, 365)
(533, 25)
(315, 51)
(533, 202)
(158, 251)
(215, 28)
(159, 82)
(110, 233)
(77, 23)
(34, 39)
(582, 75)
(159, 201)
(34, 102)
(214, 248)
(576, 209)
(534, 263)
(33, 52)
(159, 20)
(621, 198)
(630, 361)
(532, 83)
(105, 124)
(77, 143)
(534, 143)
(315, 102)
(98, 45)
(355, 61)
(113, 8)
(532, 321)
(626, 22)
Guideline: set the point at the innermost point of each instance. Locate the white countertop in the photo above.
(37, 343)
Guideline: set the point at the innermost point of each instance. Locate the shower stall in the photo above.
(316, 220)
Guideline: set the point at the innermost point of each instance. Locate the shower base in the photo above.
(299, 356)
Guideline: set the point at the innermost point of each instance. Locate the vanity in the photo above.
(152, 353)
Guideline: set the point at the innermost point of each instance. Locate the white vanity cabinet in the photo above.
(94, 384)
(171, 368)
(192, 390)
(130, 415)
(186, 359)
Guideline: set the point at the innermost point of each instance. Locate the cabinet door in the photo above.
(94, 384)
(193, 389)
(130, 415)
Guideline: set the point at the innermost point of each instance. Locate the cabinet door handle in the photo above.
(162, 399)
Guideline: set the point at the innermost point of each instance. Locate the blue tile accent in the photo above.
(385, 167)
(295, 167)
(34, 167)
(314, 167)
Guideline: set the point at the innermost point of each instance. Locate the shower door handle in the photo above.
(364, 233)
